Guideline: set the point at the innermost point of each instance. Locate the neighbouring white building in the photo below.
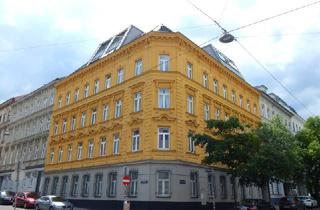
(272, 105)
(25, 140)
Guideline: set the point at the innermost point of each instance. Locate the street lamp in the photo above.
(226, 38)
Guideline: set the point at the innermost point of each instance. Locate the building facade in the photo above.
(27, 131)
(129, 110)
(272, 105)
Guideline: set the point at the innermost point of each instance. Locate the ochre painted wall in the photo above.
(150, 118)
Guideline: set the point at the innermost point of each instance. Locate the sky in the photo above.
(42, 40)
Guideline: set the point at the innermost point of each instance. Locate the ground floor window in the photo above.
(163, 183)
(112, 184)
(74, 186)
(46, 186)
(64, 185)
(54, 185)
(98, 185)
(85, 185)
(133, 187)
(194, 184)
(211, 185)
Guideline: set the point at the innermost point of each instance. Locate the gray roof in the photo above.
(114, 43)
(223, 59)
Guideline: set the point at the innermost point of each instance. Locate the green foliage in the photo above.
(309, 150)
(254, 155)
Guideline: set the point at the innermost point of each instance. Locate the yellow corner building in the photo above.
(128, 111)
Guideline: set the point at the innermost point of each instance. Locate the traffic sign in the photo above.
(126, 180)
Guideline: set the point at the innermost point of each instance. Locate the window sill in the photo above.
(132, 196)
(163, 150)
(163, 196)
(163, 109)
(192, 153)
(135, 152)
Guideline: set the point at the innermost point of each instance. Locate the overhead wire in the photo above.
(253, 57)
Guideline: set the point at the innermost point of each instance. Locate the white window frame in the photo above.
(133, 186)
(189, 70)
(225, 92)
(86, 91)
(83, 120)
(241, 101)
(64, 126)
(233, 96)
(117, 110)
(205, 80)
(56, 128)
(107, 81)
(161, 184)
(93, 116)
(73, 123)
(165, 145)
(164, 98)
(120, 76)
(116, 144)
(105, 112)
(98, 185)
(90, 149)
(68, 98)
(206, 110)
(59, 102)
(218, 111)
(190, 104)
(69, 153)
(164, 62)
(103, 147)
(215, 86)
(138, 67)
(194, 184)
(51, 156)
(79, 151)
(60, 155)
(135, 140)
(191, 145)
(96, 86)
(76, 95)
(112, 184)
(137, 102)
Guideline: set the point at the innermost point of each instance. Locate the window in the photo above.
(74, 186)
(248, 105)
(64, 185)
(163, 183)
(46, 186)
(43, 150)
(233, 96)
(135, 140)
(108, 81)
(217, 113)
(59, 102)
(112, 184)
(223, 192)
(206, 110)
(138, 67)
(93, 116)
(226, 116)
(73, 123)
(98, 185)
(96, 86)
(205, 80)
(120, 76)
(90, 149)
(60, 154)
(241, 101)
(225, 92)
(76, 95)
(194, 184)
(68, 98)
(215, 86)
(190, 104)
(69, 153)
(79, 153)
(163, 138)
(103, 145)
(164, 63)
(211, 185)
(116, 145)
(85, 185)
(254, 108)
(51, 156)
(56, 126)
(189, 70)
(105, 113)
(133, 187)
(86, 91)
(191, 144)
(54, 185)
(64, 126)
(164, 98)
(36, 150)
(117, 110)
(137, 102)
(83, 119)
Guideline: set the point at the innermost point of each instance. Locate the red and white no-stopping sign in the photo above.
(126, 180)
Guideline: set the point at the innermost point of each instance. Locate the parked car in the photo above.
(6, 197)
(25, 199)
(308, 201)
(52, 202)
(291, 203)
(255, 204)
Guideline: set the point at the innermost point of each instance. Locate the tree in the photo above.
(309, 141)
(254, 155)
